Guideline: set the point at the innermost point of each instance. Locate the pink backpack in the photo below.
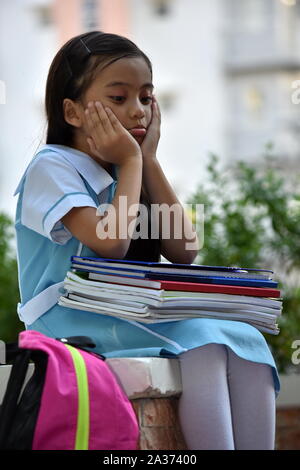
(72, 401)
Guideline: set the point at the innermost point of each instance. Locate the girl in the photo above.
(103, 132)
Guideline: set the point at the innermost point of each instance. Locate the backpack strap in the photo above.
(81, 342)
(14, 386)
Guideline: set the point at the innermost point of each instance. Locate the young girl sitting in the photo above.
(103, 133)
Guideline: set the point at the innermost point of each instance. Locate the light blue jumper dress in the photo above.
(57, 179)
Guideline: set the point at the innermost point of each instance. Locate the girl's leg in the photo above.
(204, 406)
(252, 396)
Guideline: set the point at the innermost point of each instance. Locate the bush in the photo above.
(10, 324)
(252, 219)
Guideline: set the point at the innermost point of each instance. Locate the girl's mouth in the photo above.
(138, 132)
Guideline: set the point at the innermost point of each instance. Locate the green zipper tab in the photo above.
(83, 417)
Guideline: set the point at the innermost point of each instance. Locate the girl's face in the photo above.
(126, 87)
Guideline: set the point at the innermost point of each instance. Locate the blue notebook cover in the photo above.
(130, 270)
(171, 266)
(212, 280)
(180, 277)
(98, 270)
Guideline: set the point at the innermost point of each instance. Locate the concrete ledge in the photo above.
(4, 376)
(148, 377)
(139, 377)
(154, 377)
(289, 395)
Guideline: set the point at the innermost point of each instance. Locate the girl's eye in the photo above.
(119, 99)
(147, 99)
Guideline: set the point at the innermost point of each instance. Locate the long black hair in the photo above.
(72, 70)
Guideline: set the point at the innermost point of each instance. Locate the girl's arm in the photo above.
(110, 140)
(87, 226)
(159, 191)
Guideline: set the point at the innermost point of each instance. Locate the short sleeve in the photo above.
(52, 188)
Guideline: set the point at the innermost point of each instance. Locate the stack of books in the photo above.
(163, 292)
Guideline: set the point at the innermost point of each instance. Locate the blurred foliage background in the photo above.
(252, 219)
(9, 289)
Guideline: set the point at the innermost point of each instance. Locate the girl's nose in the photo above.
(137, 111)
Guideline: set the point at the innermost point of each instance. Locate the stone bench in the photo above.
(153, 386)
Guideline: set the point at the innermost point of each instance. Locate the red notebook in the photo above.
(219, 288)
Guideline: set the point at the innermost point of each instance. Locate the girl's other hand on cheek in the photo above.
(107, 138)
(150, 142)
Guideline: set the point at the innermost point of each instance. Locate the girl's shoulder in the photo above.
(63, 165)
(51, 154)
(46, 161)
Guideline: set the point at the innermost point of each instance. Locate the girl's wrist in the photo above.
(151, 167)
(133, 160)
(149, 157)
(150, 161)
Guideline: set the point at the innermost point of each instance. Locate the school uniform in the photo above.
(57, 179)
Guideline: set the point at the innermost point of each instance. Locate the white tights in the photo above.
(227, 402)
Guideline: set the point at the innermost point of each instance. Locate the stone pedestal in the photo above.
(159, 424)
(288, 428)
(153, 386)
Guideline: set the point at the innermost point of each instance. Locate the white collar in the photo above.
(96, 176)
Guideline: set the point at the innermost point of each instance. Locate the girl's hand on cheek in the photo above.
(150, 142)
(107, 138)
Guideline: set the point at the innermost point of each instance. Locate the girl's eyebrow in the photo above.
(146, 85)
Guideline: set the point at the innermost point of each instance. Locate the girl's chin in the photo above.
(139, 139)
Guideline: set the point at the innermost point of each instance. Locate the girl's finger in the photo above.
(103, 116)
(156, 108)
(114, 120)
(92, 145)
(92, 118)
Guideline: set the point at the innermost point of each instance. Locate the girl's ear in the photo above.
(72, 112)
